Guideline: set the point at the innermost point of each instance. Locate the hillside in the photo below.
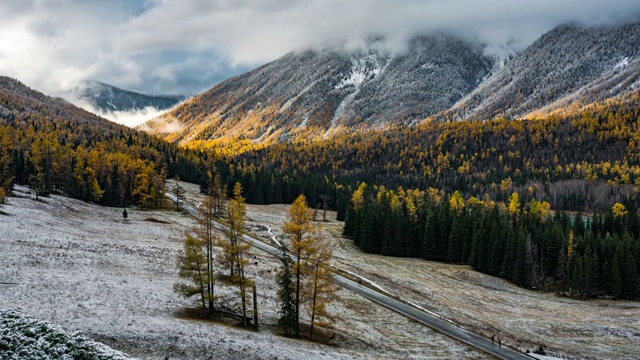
(109, 98)
(314, 92)
(568, 64)
(54, 146)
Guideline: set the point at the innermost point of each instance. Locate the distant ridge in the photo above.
(109, 98)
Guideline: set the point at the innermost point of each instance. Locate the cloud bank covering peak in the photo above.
(187, 46)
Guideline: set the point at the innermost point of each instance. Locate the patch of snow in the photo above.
(429, 65)
(622, 64)
(543, 357)
(289, 102)
(273, 236)
(305, 120)
(363, 69)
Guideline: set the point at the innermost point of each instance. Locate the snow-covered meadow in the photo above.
(85, 268)
(523, 319)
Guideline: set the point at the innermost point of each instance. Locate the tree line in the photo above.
(585, 160)
(521, 241)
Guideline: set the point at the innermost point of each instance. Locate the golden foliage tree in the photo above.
(303, 236)
(192, 267)
(320, 283)
(514, 205)
(619, 210)
(235, 250)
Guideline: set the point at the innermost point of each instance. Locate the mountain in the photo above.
(314, 92)
(110, 98)
(570, 64)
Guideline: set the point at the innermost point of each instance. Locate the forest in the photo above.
(585, 159)
(53, 146)
(523, 242)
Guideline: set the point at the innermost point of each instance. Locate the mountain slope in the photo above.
(110, 98)
(53, 145)
(314, 92)
(568, 64)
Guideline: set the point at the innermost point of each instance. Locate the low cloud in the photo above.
(131, 118)
(162, 125)
(186, 46)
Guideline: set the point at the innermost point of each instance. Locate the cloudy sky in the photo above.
(187, 46)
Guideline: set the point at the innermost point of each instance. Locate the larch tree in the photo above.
(320, 283)
(6, 173)
(193, 268)
(208, 237)
(514, 205)
(303, 236)
(217, 193)
(178, 191)
(235, 250)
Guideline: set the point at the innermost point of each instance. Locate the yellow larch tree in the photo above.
(304, 237)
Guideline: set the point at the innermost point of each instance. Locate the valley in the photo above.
(90, 264)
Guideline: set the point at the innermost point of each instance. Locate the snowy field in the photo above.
(85, 268)
(523, 319)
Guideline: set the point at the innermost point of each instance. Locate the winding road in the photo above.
(420, 315)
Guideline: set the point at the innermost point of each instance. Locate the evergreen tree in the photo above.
(286, 294)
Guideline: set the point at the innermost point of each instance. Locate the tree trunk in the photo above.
(204, 308)
(244, 305)
(313, 307)
(298, 296)
(255, 308)
(243, 293)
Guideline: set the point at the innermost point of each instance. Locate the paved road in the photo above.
(432, 321)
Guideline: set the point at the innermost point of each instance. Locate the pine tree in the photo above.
(429, 242)
(286, 294)
(615, 286)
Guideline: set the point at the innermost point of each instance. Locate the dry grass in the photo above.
(485, 304)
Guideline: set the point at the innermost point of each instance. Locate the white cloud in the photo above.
(185, 46)
(131, 118)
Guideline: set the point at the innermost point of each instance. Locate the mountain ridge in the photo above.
(108, 98)
(313, 94)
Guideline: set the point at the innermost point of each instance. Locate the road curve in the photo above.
(430, 320)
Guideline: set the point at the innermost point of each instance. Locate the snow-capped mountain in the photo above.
(107, 98)
(566, 65)
(315, 93)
